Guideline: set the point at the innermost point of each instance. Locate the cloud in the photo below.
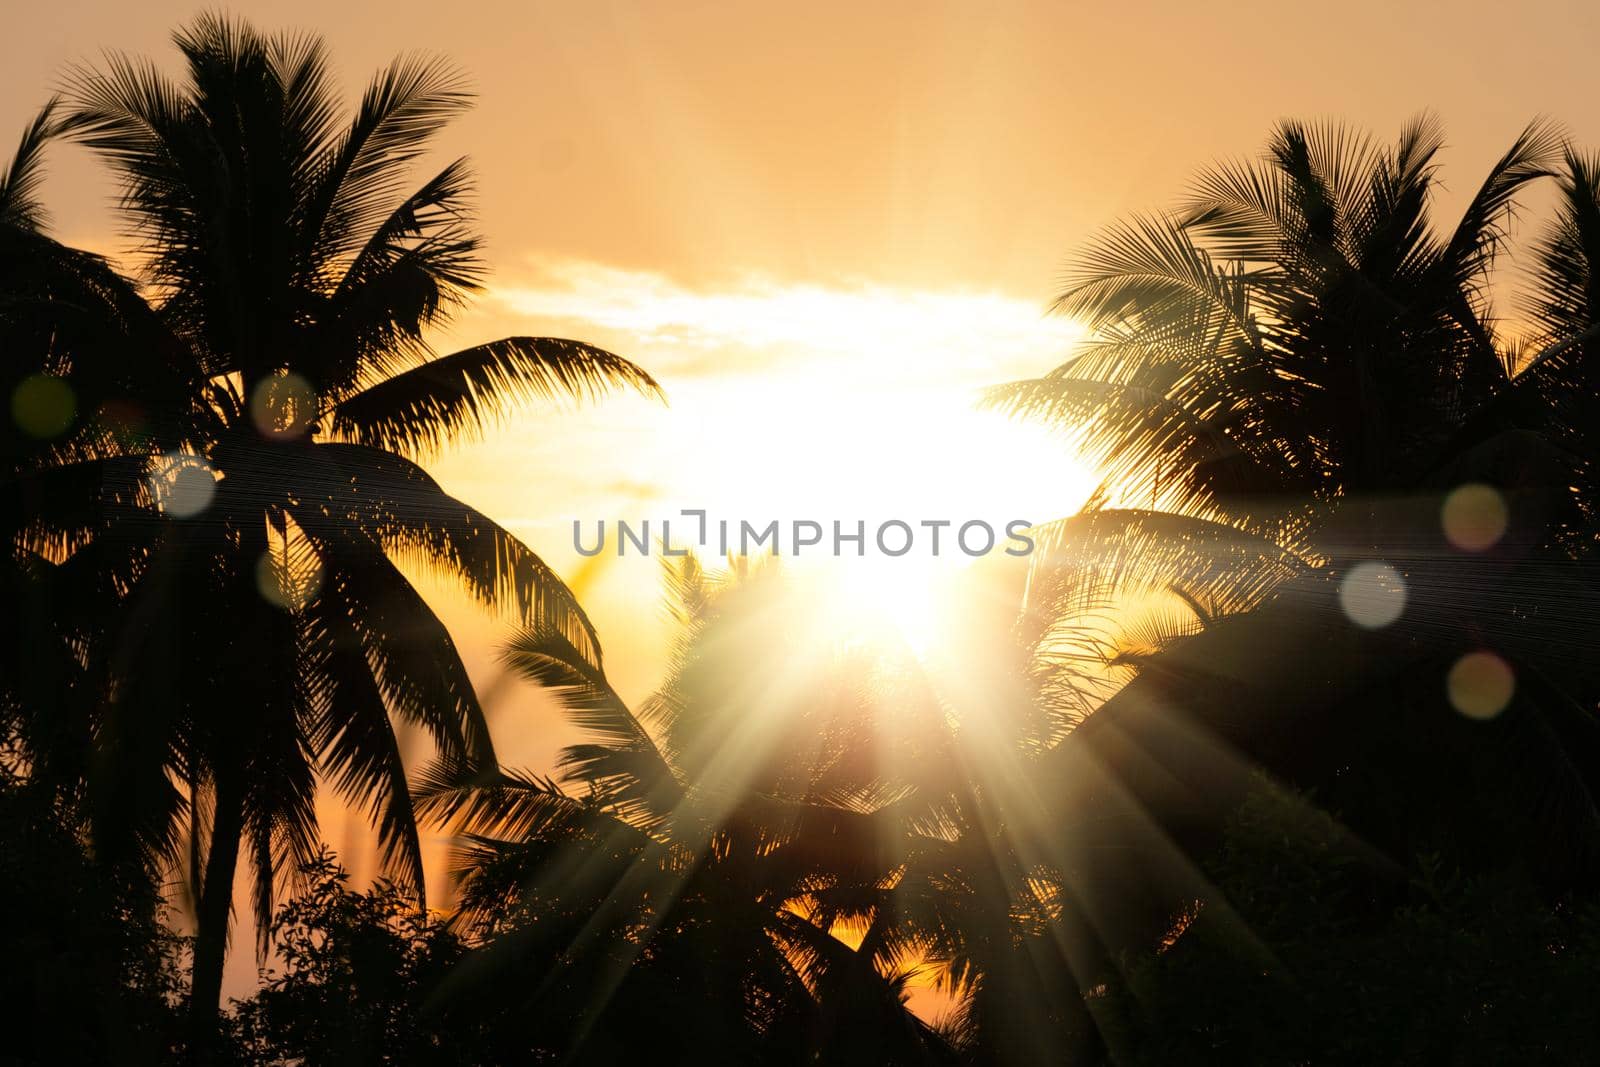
(825, 401)
(880, 331)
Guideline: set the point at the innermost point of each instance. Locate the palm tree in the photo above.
(824, 818)
(52, 472)
(1559, 381)
(1292, 344)
(250, 416)
(664, 891)
(1296, 370)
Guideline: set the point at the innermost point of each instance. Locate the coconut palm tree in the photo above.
(787, 788)
(247, 422)
(662, 886)
(1296, 372)
(1294, 342)
(1560, 381)
(1296, 368)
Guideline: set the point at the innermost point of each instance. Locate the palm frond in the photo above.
(1483, 226)
(491, 800)
(359, 176)
(416, 266)
(417, 410)
(1153, 633)
(621, 763)
(22, 179)
(412, 656)
(1145, 437)
(1150, 267)
(1566, 301)
(1142, 548)
(354, 739)
(136, 119)
(280, 831)
(1242, 210)
(404, 508)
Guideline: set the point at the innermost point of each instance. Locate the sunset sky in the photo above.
(825, 227)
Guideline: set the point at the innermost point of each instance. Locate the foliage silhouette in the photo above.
(213, 464)
(219, 518)
(1298, 371)
(93, 974)
(656, 899)
(352, 980)
(1292, 344)
(1452, 969)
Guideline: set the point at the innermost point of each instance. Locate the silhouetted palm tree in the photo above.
(1297, 370)
(247, 415)
(785, 786)
(663, 886)
(1560, 380)
(1296, 338)
(50, 475)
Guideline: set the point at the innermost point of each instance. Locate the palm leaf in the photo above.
(1152, 442)
(413, 657)
(417, 410)
(404, 508)
(1483, 226)
(358, 179)
(20, 182)
(492, 800)
(1150, 266)
(353, 736)
(1138, 547)
(622, 763)
(415, 267)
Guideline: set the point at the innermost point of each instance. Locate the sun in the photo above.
(846, 403)
(800, 447)
(929, 459)
(897, 604)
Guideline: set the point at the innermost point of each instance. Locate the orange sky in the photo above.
(918, 144)
(825, 226)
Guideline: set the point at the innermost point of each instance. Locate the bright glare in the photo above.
(183, 484)
(896, 602)
(924, 456)
(848, 403)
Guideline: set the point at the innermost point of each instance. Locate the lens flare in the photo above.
(283, 405)
(1373, 595)
(288, 588)
(1474, 517)
(1480, 685)
(183, 485)
(43, 406)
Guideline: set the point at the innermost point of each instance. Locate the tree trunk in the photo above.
(213, 913)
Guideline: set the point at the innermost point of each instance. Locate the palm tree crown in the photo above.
(1296, 335)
